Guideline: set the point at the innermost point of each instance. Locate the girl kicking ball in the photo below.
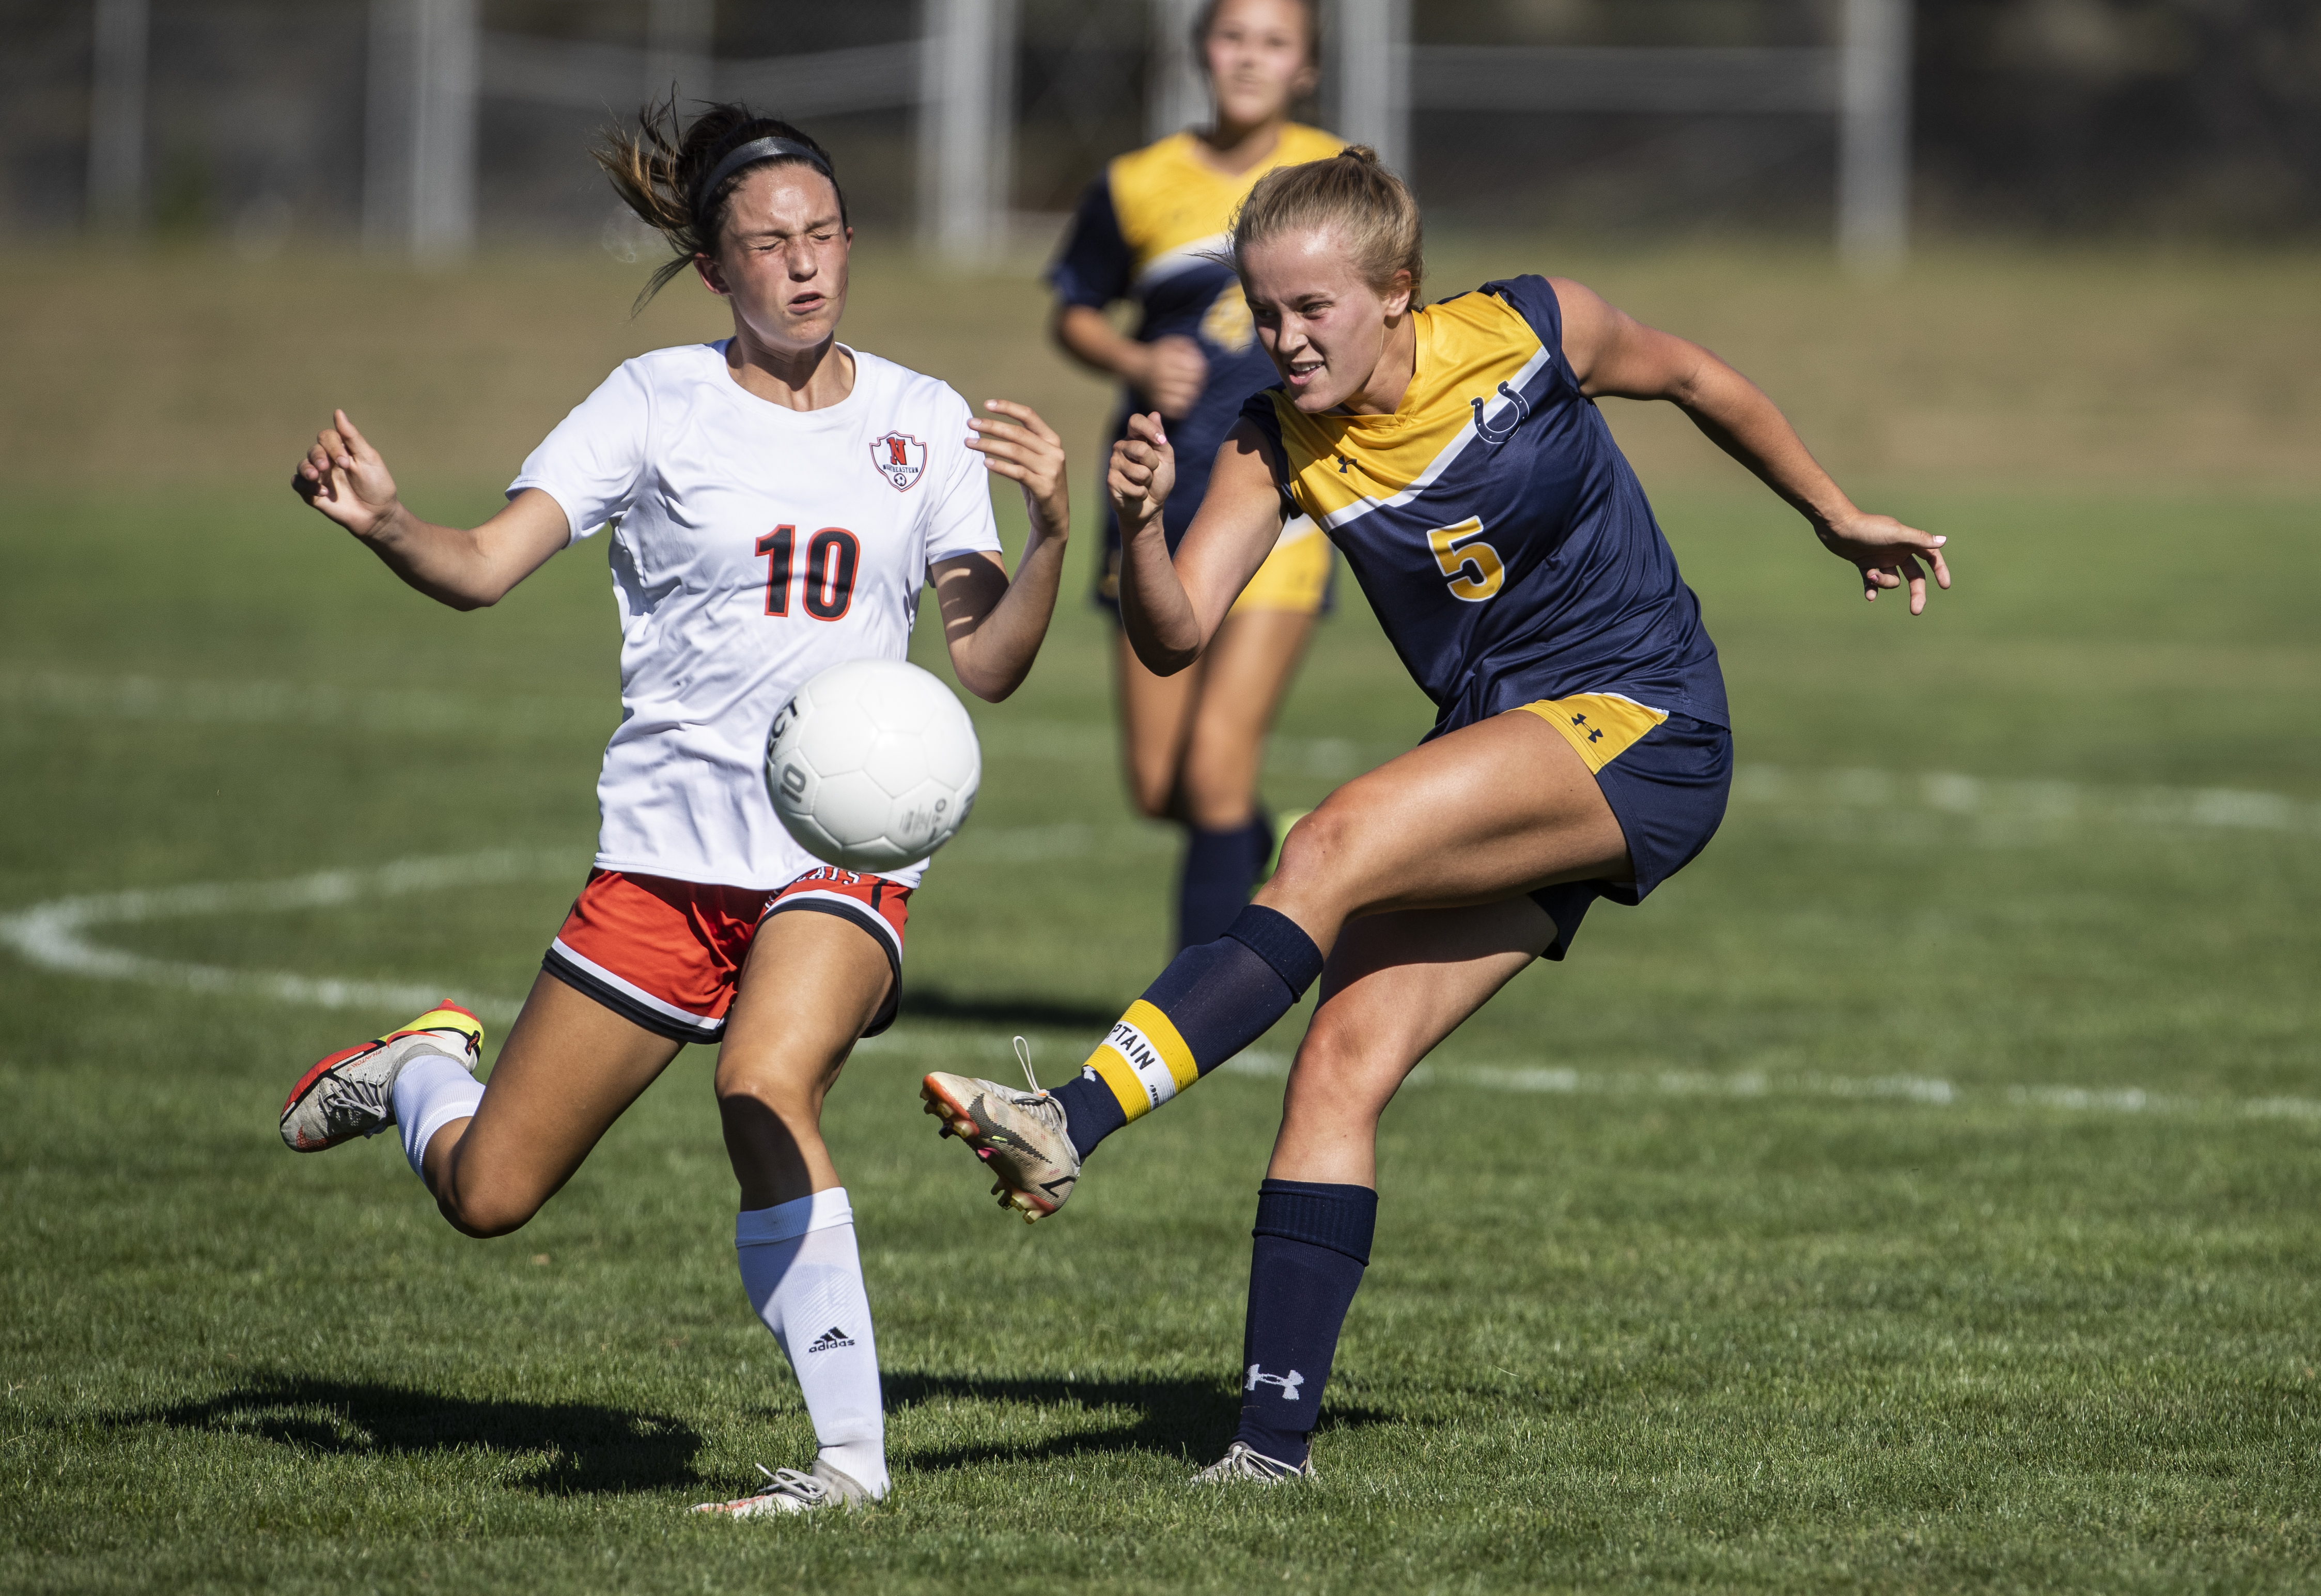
(777, 501)
(1455, 454)
(1147, 233)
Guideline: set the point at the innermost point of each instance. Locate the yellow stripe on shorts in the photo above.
(1295, 575)
(1600, 725)
(1144, 1061)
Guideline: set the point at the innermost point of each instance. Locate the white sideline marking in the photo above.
(2037, 803)
(53, 936)
(50, 936)
(411, 709)
(2004, 801)
(1930, 1091)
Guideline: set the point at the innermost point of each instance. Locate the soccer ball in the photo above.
(873, 765)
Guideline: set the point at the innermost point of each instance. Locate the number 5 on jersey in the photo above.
(1473, 565)
(831, 556)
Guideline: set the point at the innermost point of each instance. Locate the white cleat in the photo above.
(1021, 1138)
(351, 1092)
(787, 1491)
(1240, 1463)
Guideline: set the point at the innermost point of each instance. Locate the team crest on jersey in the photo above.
(900, 458)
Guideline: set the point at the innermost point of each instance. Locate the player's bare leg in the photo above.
(1245, 672)
(570, 1068)
(1485, 813)
(1156, 716)
(1493, 809)
(781, 1056)
(811, 984)
(1397, 983)
(1395, 986)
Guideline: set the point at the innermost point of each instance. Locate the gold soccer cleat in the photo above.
(1022, 1137)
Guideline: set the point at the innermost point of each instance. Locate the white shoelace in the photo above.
(791, 1481)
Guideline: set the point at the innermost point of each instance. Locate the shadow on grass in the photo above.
(1005, 1009)
(586, 1448)
(1192, 1420)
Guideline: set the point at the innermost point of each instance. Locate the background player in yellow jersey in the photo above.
(1456, 455)
(1148, 231)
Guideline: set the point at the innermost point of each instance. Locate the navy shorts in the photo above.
(1667, 783)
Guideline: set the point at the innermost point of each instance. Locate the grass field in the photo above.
(1920, 1192)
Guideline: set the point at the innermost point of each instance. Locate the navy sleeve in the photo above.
(1533, 298)
(1093, 268)
(1257, 410)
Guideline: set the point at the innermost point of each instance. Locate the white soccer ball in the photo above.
(873, 765)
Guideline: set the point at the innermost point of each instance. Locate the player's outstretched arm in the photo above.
(1171, 607)
(345, 478)
(1613, 353)
(993, 626)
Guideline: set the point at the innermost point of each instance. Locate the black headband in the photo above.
(769, 148)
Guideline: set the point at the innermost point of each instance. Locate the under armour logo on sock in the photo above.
(1288, 1382)
(831, 1340)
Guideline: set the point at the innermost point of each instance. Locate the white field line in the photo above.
(2009, 803)
(2056, 803)
(53, 936)
(1920, 1090)
(56, 935)
(263, 703)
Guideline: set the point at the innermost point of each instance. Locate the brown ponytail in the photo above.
(1352, 195)
(659, 173)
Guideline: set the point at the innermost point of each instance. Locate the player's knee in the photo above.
(1316, 849)
(1217, 790)
(487, 1210)
(785, 1101)
(1338, 1065)
(1153, 793)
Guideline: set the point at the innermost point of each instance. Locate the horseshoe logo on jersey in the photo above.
(1500, 434)
(901, 457)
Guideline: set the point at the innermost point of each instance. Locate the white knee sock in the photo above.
(433, 1090)
(803, 1274)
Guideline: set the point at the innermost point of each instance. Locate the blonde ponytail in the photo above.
(1351, 194)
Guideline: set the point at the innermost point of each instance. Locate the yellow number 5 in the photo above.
(1473, 565)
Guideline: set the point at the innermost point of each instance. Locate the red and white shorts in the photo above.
(668, 954)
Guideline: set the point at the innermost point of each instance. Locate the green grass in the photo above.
(1918, 1193)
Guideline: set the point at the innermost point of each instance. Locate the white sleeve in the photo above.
(592, 462)
(959, 518)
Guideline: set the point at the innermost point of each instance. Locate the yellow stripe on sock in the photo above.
(1144, 1061)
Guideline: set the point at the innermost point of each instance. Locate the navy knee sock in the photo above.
(1210, 1003)
(1311, 1244)
(1221, 869)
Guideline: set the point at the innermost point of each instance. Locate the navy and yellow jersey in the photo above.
(1148, 231)
(1499, 531)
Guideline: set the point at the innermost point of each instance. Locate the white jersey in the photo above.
(752, 546)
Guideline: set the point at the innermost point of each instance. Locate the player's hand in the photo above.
(1018, 445)
(343, 477)
(1143, 472)
(1887, 554)
(1175, 372)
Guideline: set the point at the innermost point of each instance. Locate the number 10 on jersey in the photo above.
(828, 580)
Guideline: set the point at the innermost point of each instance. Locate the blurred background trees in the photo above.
(2179, 118)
